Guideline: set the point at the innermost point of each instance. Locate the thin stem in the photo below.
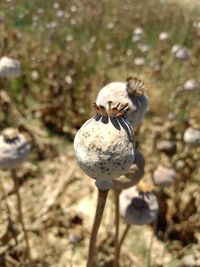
(151, 244)
(21, 218)
(128, 226)
(102, 196)
(8, 212)
(5, 198)
(116, 196)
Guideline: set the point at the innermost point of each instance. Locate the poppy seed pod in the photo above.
(104, 145)
(138, 206)
(131, 92)
(191, 136)
(9, 68)
(163, 176)
(133, 175)
(164, 36)
(14, 149)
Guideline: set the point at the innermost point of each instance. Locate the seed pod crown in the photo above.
(135, 86)
(115, 111)
(10, 135)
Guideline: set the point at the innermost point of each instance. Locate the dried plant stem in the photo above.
(123, 237)
(116, 196)
(8, 210)
(20, 214)
(5, 198)
(149, 251)
(151, 244)
(102, 196)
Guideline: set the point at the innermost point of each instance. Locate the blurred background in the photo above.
(68, 51)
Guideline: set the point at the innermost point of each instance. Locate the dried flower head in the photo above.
(104, 145)
(131, 92)
(14, 149)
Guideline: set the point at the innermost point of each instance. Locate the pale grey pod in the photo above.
(164, 36)
(191, 136)
(133, 175)
(163, 176)
(191, 85)
(183, 53)
(138, 207)
(138, 31)
(10, 68)
(14, 149)
(104, 146)
(117, 92)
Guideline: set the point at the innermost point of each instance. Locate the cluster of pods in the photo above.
(105, 149)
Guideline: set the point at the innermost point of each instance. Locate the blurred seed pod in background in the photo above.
(131, 92)
(14, 149)
(138, 207)
(10, 68)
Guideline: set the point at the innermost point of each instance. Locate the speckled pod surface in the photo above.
(133, 175)
(117, 92)
(138, 207)
(104, 147)
(13, 152)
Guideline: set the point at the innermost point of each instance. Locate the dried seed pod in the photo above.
(131, 92)
(138, 31)
(139, 61)
(164, 36)
(191, 85)
(163, 176)
(104, 145)
(14, 149)
(182, 53)
(192, 136)
(133, 175)
(138, 206)
(9, 68)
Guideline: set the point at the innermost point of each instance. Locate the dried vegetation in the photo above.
(68, 51)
